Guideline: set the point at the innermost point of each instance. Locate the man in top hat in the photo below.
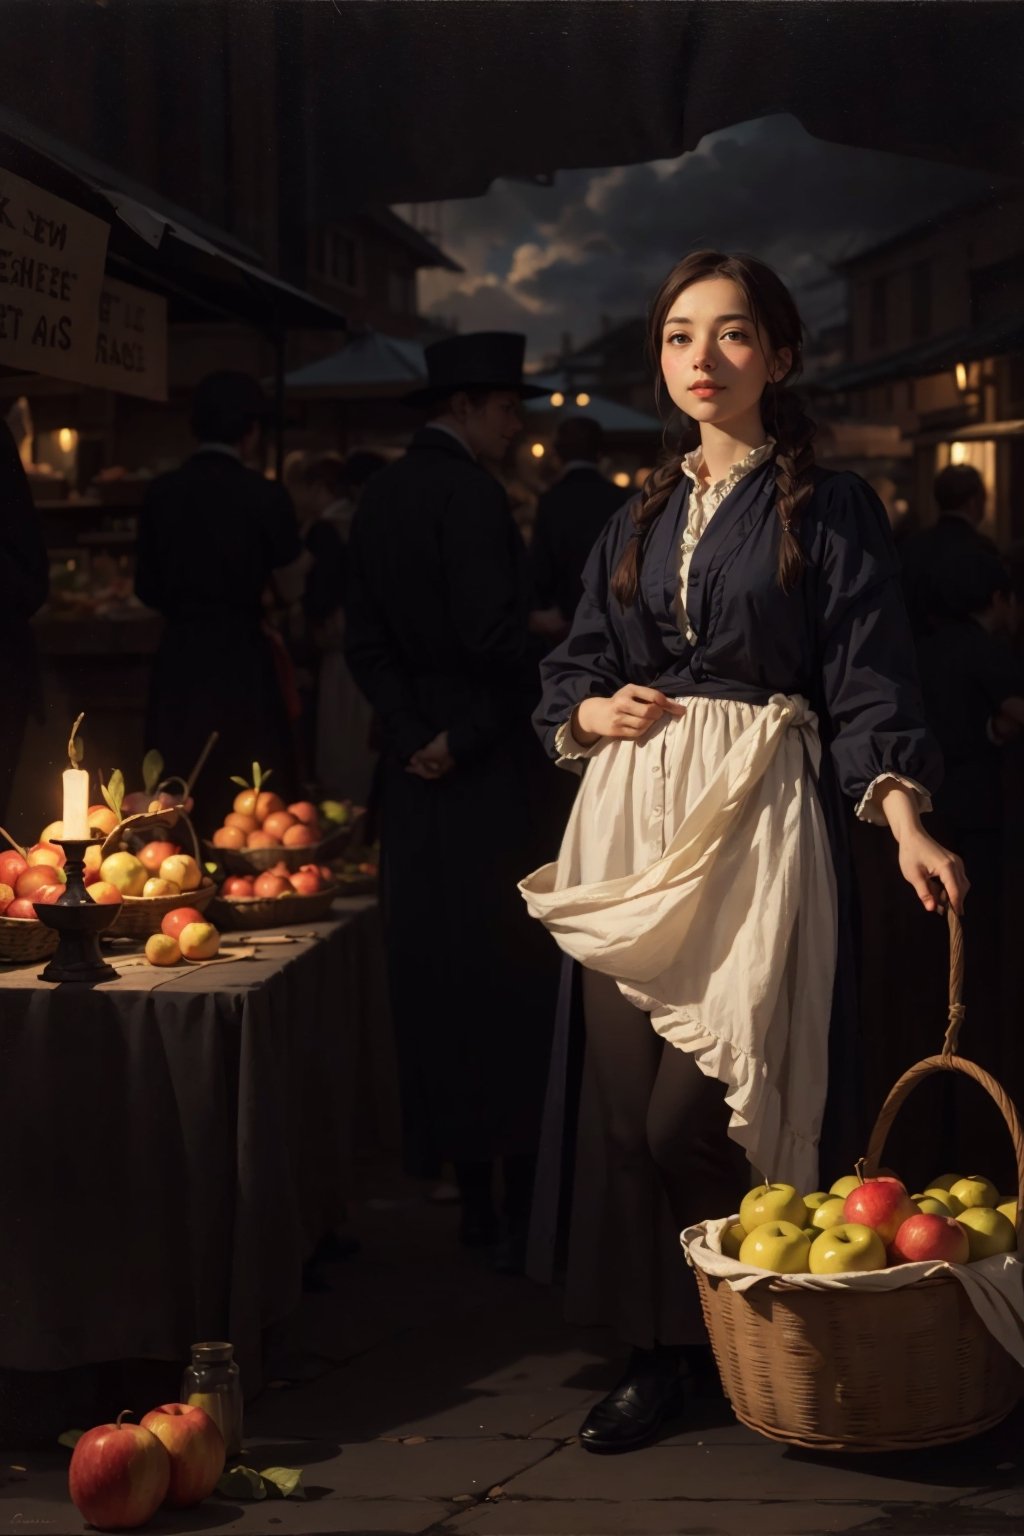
(437, 639)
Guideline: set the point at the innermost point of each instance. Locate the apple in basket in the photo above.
(157, 887)
(103, 893)
(772, 1202)
(119, 1475)
(229, 837)
(306, 812)
(6, 897)
(988, 1232)
(173, 922)
(847, 1249)
(776, 1245)
(269, 884)
(183, 870)
(1008, 1208)
(11, 866)
(306, 882)
(843, 1186)
(238, 886)
(152, 855)
(196, 1447)
(45, 853)
(928, 1237)
(949, 1202)
(881, 1203)
(23, 908)
(49, 895)
(31, 881)
(975, 1190)
(831, 1213)
(125, 871)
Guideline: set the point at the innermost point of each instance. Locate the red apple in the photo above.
(119, 1475)
(299, 836)
(195, 1446)
(237, 885)
(103, 819)
(153, 855)
(174, 922)
(327, 874)
(48, 895)
(882, 1204)
(6, 897)
(305, 882)
(277, 824)
(32, 880)
(924, 1237)
(11, 866)
(306, 812)
(23, 908)
(45, 853)
(271, 885)
(90, 877)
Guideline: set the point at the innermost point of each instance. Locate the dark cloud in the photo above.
(554, 260)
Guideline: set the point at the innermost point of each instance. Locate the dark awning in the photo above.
(934, 356)
(370, 366)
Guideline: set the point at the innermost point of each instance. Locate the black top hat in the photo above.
(478, 360)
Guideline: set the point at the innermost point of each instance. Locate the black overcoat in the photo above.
(841, 639)
(571, 516)
(436, 639)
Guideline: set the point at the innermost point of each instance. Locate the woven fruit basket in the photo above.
(866, 1370)
(139, 916)
(255, 861)
(22, 941)
(233, 913)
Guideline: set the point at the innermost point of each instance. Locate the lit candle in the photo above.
(76, 803)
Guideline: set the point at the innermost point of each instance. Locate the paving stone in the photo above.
(761, 1471)
(438, 1469)
(671, 1517)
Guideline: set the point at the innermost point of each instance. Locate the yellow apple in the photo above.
(828, 1215)
(103, 893)
(847, 1249)
(842, 1187)
(199, 941)
(52, 833)
(944, 1197)
(732, 1240)
(1008, 1208)
(945, 1181)
(817, 1198)
(988, 1232)
(125, 871)
(182, 870)
(975, 1191)
(772, 1202)
(930, 1205)
(157, 887)
(94, 856)
(161, 949)
(776, 1245)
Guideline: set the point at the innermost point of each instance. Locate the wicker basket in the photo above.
(231, 913)
(255, 861)
(850, 1370)
(139, 916)
(22, 941)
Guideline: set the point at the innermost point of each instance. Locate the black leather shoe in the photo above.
(650, 1393)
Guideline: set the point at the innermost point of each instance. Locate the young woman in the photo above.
(740, 661)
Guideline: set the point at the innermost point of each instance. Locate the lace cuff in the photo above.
(868, 811)
(568, 748)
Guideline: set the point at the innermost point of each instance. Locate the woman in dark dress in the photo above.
(739, 662)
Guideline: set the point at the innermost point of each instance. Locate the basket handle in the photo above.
(949, 1061)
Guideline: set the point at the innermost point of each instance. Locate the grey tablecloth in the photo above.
(169, 1156)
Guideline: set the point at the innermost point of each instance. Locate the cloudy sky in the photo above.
(551, 260)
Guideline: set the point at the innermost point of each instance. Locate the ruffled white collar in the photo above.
(694, 459)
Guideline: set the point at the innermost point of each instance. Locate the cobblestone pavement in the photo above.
(444, 1400)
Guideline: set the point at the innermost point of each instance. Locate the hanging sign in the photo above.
(131, 346)
(52, 256)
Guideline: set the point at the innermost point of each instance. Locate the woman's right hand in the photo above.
(626, 715)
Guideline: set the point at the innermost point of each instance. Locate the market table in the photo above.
(175, 1142)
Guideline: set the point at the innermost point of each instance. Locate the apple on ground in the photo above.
(6, 897)
(828, 1215)
(45, 853)
(269, 884)
(881, 1203)
(11, 866)
(32, 880)
(161, 949)
(772, 1202)
(845, 1185)
(103, 819)
(195, 1445)
(306, 812)
(183, 870)
(22, 908)
(157, 887)
(777, 1245)
(974, 1191)
(199, 941)
(988, 1232)
(103, 893)
(153, 854)
(926, 1237)
(125, 871)
(229, 837)
(119, 1475)
(732, 1240)
(238, 887)
(173, 922)
(850, 1248)
(305, 882)
(943, 1196)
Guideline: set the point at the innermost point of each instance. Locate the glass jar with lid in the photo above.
(212, 1382)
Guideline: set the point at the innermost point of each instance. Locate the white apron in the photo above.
(696, 870)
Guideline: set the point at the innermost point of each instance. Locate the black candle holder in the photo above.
(79, 921)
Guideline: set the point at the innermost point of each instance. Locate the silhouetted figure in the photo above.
(24, 583)
(933, 558)
(571, 516)
(214, 536)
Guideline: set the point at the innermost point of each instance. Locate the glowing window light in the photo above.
(621, 479)
(958, 453)
(961, 376)
(67, 438)
(537, 449)
(557, 399)
(583, 399)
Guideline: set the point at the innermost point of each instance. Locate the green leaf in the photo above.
(236, 780)
(152, 771)
(284, 1482)
(113, 793)
(70, 1438)
(242, 1483)
(257, 777)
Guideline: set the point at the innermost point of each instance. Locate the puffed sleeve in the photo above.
(590, 660)
(866, 650)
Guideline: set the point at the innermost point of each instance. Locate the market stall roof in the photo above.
(369, 366)
(609, 414)
(934, 356)
(420, 102)
(204, 271)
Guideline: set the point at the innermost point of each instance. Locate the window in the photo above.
(921, 299)
(337, 257)
(878, 315)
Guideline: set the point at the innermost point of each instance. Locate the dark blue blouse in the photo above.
(841, 638)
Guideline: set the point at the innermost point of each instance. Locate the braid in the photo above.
(657, 489)
(794, 460)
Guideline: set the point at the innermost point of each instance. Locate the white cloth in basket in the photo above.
(995, 1287)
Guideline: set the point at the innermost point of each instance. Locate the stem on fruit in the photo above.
(122, 1414)
(858, 1168)
(75, 750)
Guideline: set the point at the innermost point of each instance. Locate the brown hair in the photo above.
(774, 313)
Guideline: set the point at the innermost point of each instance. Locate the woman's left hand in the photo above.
(937, 875)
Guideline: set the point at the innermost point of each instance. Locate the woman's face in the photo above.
(715, 361)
